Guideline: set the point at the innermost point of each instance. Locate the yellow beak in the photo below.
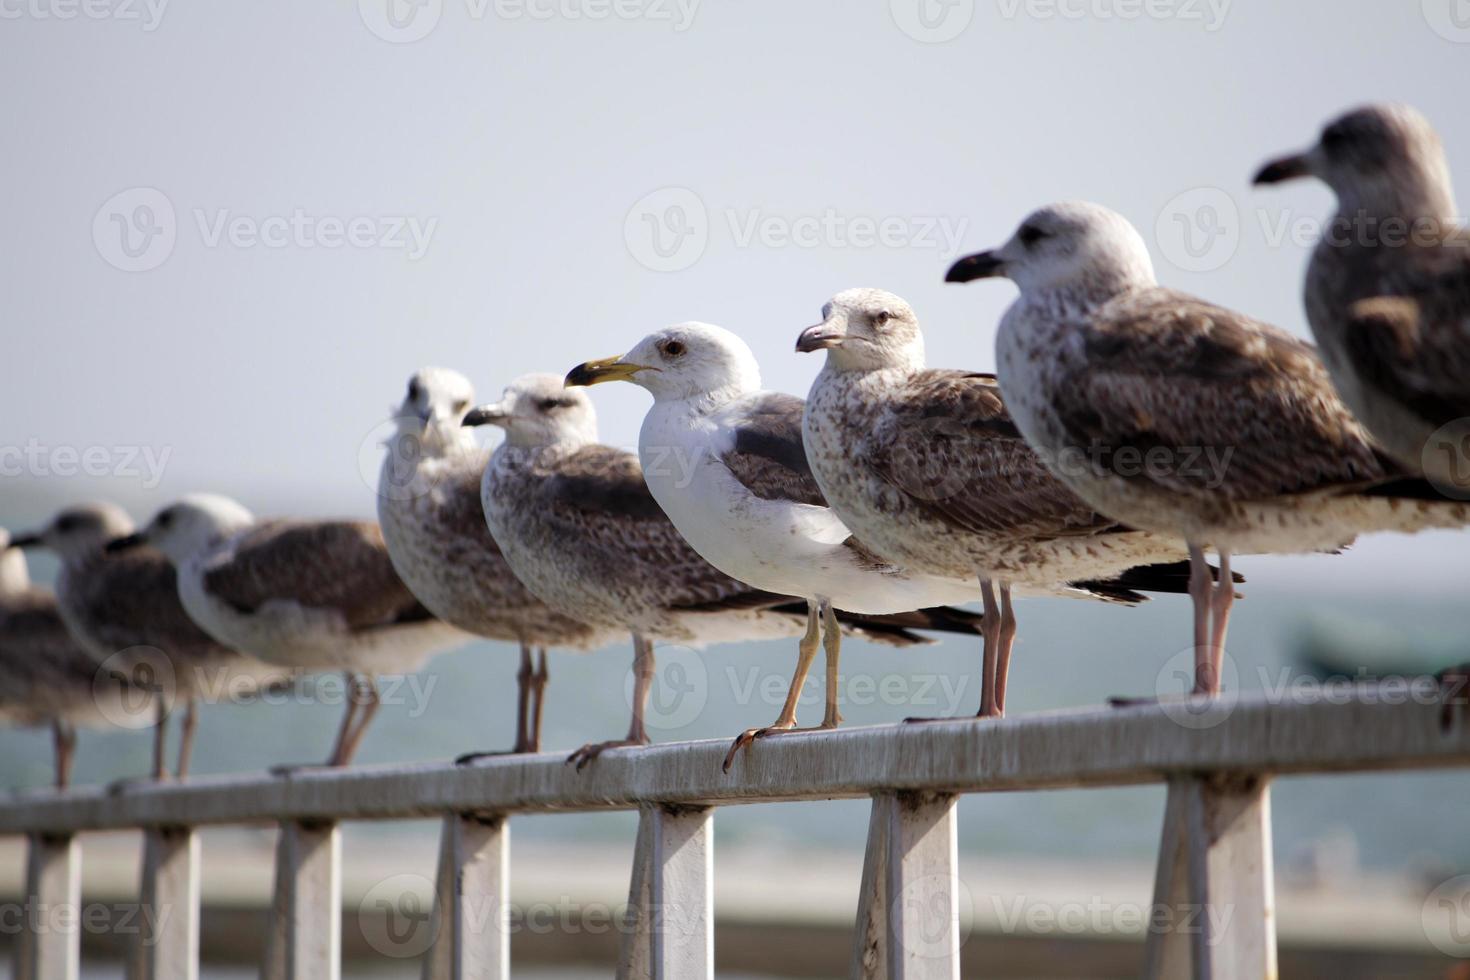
(606, 369)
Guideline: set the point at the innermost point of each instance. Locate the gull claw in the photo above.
(583, 756)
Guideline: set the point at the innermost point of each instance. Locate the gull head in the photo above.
(688, 360)
(435, 403)
(538, 410)
(1376, 156)
(866, 330)
(79, 533)
(1072, 246)
(188, 527)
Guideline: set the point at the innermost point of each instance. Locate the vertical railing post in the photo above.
(1213, 915)
(471, 917)
(908, 924)
(49, 946)
(305, 939)
(166, 944)
(669, 932)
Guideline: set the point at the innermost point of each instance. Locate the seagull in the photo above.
(1180, 417)
(434, 527)
(928, 469)
(46, 677)
(580, 528)
(724, 460)
(305, 595)
(125, 611)
(1388, 289)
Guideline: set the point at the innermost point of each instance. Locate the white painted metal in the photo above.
(1214, 896)
(669, 933)
(305, 941)
(908, 925)
(1045, 750)
(166, 945)
(49, 946)
(471, 919)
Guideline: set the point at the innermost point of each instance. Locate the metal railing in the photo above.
(1217, 759)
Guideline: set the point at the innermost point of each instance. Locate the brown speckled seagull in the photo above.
(1388, 288)
(1182, 417)
(434, 526)
(928, 470)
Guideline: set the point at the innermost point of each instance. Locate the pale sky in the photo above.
(316, 204)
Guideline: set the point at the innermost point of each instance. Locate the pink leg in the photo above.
(1007, 640)
(1200, 591)
(990, 630)
(1220, 603)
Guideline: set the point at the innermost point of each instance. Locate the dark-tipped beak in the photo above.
(823, 336)
(606, 369)
(1283, 168)
(31, 539)
(485, 415)
(981, 265)
(125, 542)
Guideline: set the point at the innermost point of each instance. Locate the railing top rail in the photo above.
(1362, 731)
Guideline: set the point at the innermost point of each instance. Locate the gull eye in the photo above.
(166, 518)
(672, 348)
(882, 317)
(461, 406)
(1030, 235)
(550, 404)
(68, 523)
(413, 391)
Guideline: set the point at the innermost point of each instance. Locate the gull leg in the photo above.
(369, 688)
(1221, 600)
(186, 737)
(786, 720)
(524, 678)
(64, 737)
(643, 668)
(990, 631)
(1200, 589)
(538, 688)
(1007, 640)
(160, 738)
(832, 643)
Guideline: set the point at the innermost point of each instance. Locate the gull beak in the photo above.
(607, 369)
(126, 542)
(494, 414)
(823, 336)
(31, 539)
(1284, 168)
(981, 265)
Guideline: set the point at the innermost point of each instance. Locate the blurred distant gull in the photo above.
(434, 527)
(1388, 289)
(927, 469)
(577, 523)
(724, 460)
(1096, 358)
(309, 595)
(46, 677)
(124, 609)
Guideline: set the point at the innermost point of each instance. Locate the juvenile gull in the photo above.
(1099, 363)
(928, 470)
(579, 527)
(46, 677)
(434, 527)
(1388, 289)
(724, 460)
(305, 595)
(125, 611)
